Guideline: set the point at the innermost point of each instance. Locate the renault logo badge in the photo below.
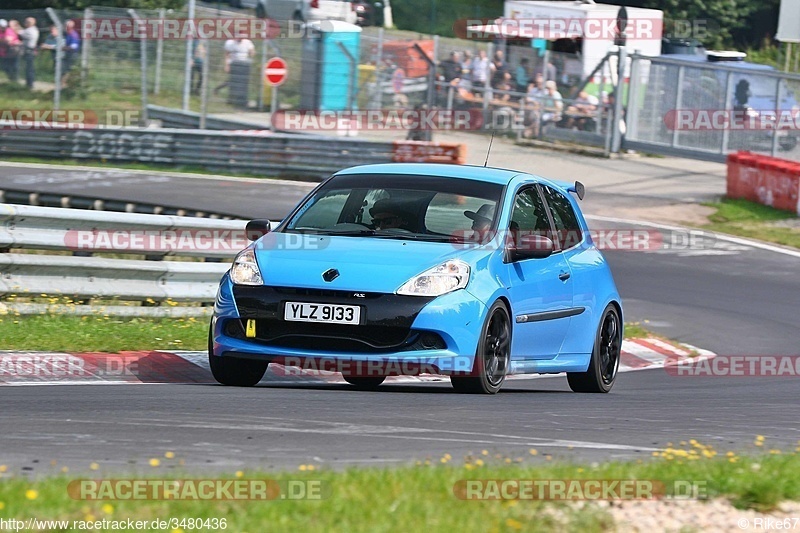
(330, 274)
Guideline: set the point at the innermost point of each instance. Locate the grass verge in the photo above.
(749, 219)
(422, 497)
(59, 333)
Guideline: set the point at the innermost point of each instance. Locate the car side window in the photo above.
(568, 230)
(529, 216)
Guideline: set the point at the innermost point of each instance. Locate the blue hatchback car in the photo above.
(471, 272)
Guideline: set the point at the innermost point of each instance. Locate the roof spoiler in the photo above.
(578, 189)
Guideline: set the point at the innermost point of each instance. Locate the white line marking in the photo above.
(720, 236)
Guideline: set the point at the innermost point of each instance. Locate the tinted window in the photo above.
(529, 215)
(567, 226)
(391, 206)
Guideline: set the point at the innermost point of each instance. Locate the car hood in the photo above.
(365, 264)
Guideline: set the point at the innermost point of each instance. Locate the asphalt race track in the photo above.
(721, 296)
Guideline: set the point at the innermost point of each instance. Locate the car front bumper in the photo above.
(397, 335)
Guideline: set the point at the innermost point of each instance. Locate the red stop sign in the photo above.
(275, 71)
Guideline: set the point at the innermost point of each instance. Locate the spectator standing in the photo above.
(239, 55)
(466, 66)
(30, 41)
(499, 68)
(10, 49)
(547, 70)
(398, 82)
(451, 67)
(481, 67)
(198, 58)
(522, 76)
(72, 47)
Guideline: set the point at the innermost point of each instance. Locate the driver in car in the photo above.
(386, 215)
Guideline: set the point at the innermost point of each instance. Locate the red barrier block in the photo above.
(766, 180)
(429, 152)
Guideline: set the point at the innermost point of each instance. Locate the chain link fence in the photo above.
(116, 77)
(700, 108)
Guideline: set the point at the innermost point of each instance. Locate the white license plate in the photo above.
(329, 313)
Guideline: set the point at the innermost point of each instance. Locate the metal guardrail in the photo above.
(176, 118)
(84, 276)
(262, 153)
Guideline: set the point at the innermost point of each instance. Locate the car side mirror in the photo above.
(257, 228)
(530, 247)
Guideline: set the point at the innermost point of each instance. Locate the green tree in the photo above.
(717, 20)
(81, 4)
(438, 16)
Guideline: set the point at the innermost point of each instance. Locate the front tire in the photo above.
(603, 366)
(493, 356)
(232, 371)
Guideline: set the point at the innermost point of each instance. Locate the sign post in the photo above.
(275, 73)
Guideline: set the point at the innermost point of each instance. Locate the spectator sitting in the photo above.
(581, 112)
(504, 87)
(548, 111)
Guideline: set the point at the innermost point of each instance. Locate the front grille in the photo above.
(386, 320)
(336, 337)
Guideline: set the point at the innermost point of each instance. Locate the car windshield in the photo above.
(400, 206)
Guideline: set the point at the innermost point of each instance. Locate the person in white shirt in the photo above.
(30, 41)
(238, 61)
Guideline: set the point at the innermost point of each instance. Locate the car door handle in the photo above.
(564, 276)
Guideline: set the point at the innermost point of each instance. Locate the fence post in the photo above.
(261, 76)
(632, 107)
(775, 130)
(85, 45)
(488, 83)
(726, 133)
(159, 51)
(678, 103)
(353, 70)
(59, 52)
(187, 67)
(204, 88)
(377, 95)
(143, 54)
(616, 139)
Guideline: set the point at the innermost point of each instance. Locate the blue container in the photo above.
(329, 78)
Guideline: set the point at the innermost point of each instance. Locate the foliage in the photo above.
(82, 4)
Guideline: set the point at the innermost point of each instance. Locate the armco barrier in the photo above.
(24, 228)
(763, 179)
(261, 153)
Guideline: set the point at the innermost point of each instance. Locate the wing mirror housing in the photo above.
(257, 228)
(530, 247)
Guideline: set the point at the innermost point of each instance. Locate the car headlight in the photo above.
(245, 269)
(441, 279)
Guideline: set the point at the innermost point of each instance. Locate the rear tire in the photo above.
(232, 371)
(492, 358)
(603, 366)
(363, 383)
